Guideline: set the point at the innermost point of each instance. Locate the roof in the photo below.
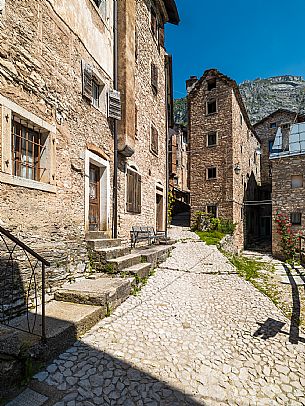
(230, 82)
(279, 111)
(172, 11)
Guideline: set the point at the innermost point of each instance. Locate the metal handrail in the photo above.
(24, 246)
(44, 263)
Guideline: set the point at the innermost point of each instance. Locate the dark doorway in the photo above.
(159, 212)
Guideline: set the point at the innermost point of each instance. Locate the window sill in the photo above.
(27, 183)
(211, 114)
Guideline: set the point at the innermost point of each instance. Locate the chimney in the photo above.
(190, 83)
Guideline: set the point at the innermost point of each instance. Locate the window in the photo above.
(92, 85)
(28, 150)
(211, 107)
(212, 209)
(211, 173)
(154, 22)
(212, 139)
(154, 140)
(102, 6)
(95, 94)
(211, 84)
(133, 194)
(154, 78)
(272, 125)
(176, 180)
(285, 126)
(270, 146)
(296, 181)
(296, 218)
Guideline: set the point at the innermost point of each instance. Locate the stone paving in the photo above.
(196, 335)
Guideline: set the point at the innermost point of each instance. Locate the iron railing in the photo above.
(22, 286)
(302, 250)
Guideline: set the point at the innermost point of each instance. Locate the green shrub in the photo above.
(202, 221)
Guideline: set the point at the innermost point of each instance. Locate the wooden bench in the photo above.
(145, 233)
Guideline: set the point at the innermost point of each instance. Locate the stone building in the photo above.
(224, 164)
(57, 137)
(143, 129)
(288, 173)
(266, 130)
(179, 163)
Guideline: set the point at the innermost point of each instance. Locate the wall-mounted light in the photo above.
(258, 151)
(237, 169)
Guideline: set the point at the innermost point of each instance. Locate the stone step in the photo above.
(65, 322)
(97, 235)
(141, 270)
(121, 263)
(105, 292)
(97, 244)
(105, 254)
(155, 255)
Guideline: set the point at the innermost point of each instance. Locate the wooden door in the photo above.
(94, 198)
(159, 212)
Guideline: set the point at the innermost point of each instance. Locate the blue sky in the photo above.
(243, 39)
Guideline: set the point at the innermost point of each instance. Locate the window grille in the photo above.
(296, 218)
(27, 149)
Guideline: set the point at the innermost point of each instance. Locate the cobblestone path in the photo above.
(196, 335)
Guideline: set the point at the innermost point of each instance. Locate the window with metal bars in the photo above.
(28, 145)
(133, 194)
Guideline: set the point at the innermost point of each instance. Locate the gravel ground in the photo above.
(197, 334)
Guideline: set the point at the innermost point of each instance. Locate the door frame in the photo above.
(104, 166)
(159, 190)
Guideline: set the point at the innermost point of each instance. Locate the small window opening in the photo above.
(296, 218)
(212, 173)
(296, 181)
(212, 139)
(211, 107)
(272, 125)
(211, 84)
(212, 209)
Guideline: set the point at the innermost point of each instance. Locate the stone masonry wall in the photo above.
(40, 70)
(218, 191)
(150, 110)
(244, 145)
(236, 145)
(266, 134)
(285, 199)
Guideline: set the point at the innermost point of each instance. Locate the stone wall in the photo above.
(235, 147)
(150, 111)
(42, 45)
(285, 199)
(266, 134)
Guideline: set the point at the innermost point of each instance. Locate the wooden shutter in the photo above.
(154, 140)
(133, 193)
(87, 80)
(154, 77)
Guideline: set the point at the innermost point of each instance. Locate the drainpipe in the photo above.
(166, 140)
(115, 124)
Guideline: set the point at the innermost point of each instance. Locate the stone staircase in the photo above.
(115, 272)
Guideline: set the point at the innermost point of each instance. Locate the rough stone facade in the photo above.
(47, 52)
(284, 198)
(150, 110)
(266, 130)
(232, 151)
(42, 45)
(179, 162)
